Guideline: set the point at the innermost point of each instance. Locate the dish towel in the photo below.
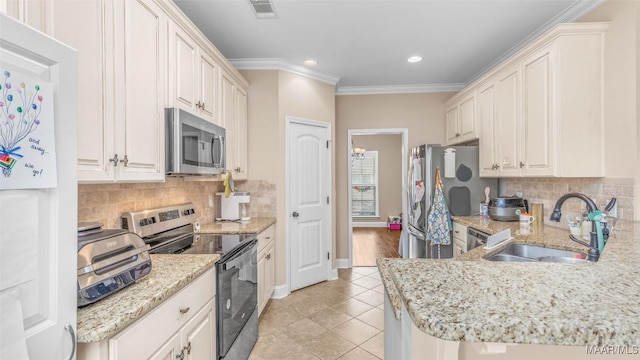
(438, 220)
(228, 185)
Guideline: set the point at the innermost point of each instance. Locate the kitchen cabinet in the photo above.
(183, 325)
(36, 14)
(459, 238)
(544, 105)
(194, 82)
(121, 67)
(266, 266)
(460, 118)
(234, 120)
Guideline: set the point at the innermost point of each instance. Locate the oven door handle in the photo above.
(244, 247)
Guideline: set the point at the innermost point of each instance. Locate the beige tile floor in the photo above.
(339, 319)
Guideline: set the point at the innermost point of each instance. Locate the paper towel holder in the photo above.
(450, 163)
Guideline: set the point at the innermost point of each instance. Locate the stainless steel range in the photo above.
(169, 230)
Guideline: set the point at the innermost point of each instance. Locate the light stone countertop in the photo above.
(534, 303)
(170, 273)
(255, 225)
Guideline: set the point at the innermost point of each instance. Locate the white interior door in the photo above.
(309, 218)
(38, 227)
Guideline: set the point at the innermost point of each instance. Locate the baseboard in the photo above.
(280, 292)
(334, 275)
(342, 264)
(369, 224)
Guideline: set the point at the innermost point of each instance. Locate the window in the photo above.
(364, 186)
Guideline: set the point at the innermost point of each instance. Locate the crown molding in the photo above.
(398, 89)
(279, 64)
(572, 13)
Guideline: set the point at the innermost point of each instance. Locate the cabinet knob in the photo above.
(457, 134)
(188, 348)
(181, 355)
(114, 160)
(237, 169)
(521, 164)
(125, 161)
(184, 311)
(268, 256)
(295, 214)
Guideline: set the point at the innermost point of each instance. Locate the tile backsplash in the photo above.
(548, 190)
(105, 203)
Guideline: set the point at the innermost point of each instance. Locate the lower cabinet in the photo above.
(182, 327)
(459, 239)
(266, 267)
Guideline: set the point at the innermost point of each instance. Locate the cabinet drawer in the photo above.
(266, 236)
(459, 232)
(145, 336)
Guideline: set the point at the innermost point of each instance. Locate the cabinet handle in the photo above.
(521, 164)
(268, 256)
(181, 356)
(199, 105)
(125, 161)
(457, 134)
(72, 333)
(184, 311)
(203, 106)
(188, 348)
(267, 237)
(237, 169)
(114, 160)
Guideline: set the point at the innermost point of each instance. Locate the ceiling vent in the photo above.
(263, 9)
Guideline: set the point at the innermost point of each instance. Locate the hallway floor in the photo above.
(372, 243)
(339, 319)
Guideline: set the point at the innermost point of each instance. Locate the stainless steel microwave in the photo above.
(193, 146)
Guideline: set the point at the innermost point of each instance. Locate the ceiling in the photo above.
(363, 45)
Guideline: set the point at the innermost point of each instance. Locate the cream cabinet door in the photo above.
(141, 29)
(451, 124)
(537, 114)
(467, 118)
(184, 59)
(169, 350)
(208, 84)
(227, 118)
(88, 33)
(262, 271)
(198, 335)
(240, 148)
(488, 140)
(507, 121)
(270, 273)
(35, 13)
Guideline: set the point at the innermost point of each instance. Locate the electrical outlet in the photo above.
(210, 200)
(614, 210)
(519, 193)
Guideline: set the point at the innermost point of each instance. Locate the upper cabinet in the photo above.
(234, 120)
(460, 118)
(194, 76)
(136, 58)
(541, 113)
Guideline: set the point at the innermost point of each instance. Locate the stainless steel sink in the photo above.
(531, 253)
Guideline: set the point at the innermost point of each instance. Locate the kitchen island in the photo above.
(473, 300)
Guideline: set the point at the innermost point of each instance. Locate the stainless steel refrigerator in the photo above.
(464, 190)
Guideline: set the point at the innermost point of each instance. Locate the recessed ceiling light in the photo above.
(414, 59)
(310, 62)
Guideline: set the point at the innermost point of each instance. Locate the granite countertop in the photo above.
(170, 273)
(534, 303)
(255, 225)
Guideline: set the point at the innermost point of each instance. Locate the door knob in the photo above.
(295, 214)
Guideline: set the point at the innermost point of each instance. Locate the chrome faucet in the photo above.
(594, 253)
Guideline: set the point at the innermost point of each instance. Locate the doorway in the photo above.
(369, 205)
(309, 212)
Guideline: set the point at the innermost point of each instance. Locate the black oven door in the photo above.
(237, 278)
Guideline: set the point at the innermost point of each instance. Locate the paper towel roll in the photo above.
(450, 163)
